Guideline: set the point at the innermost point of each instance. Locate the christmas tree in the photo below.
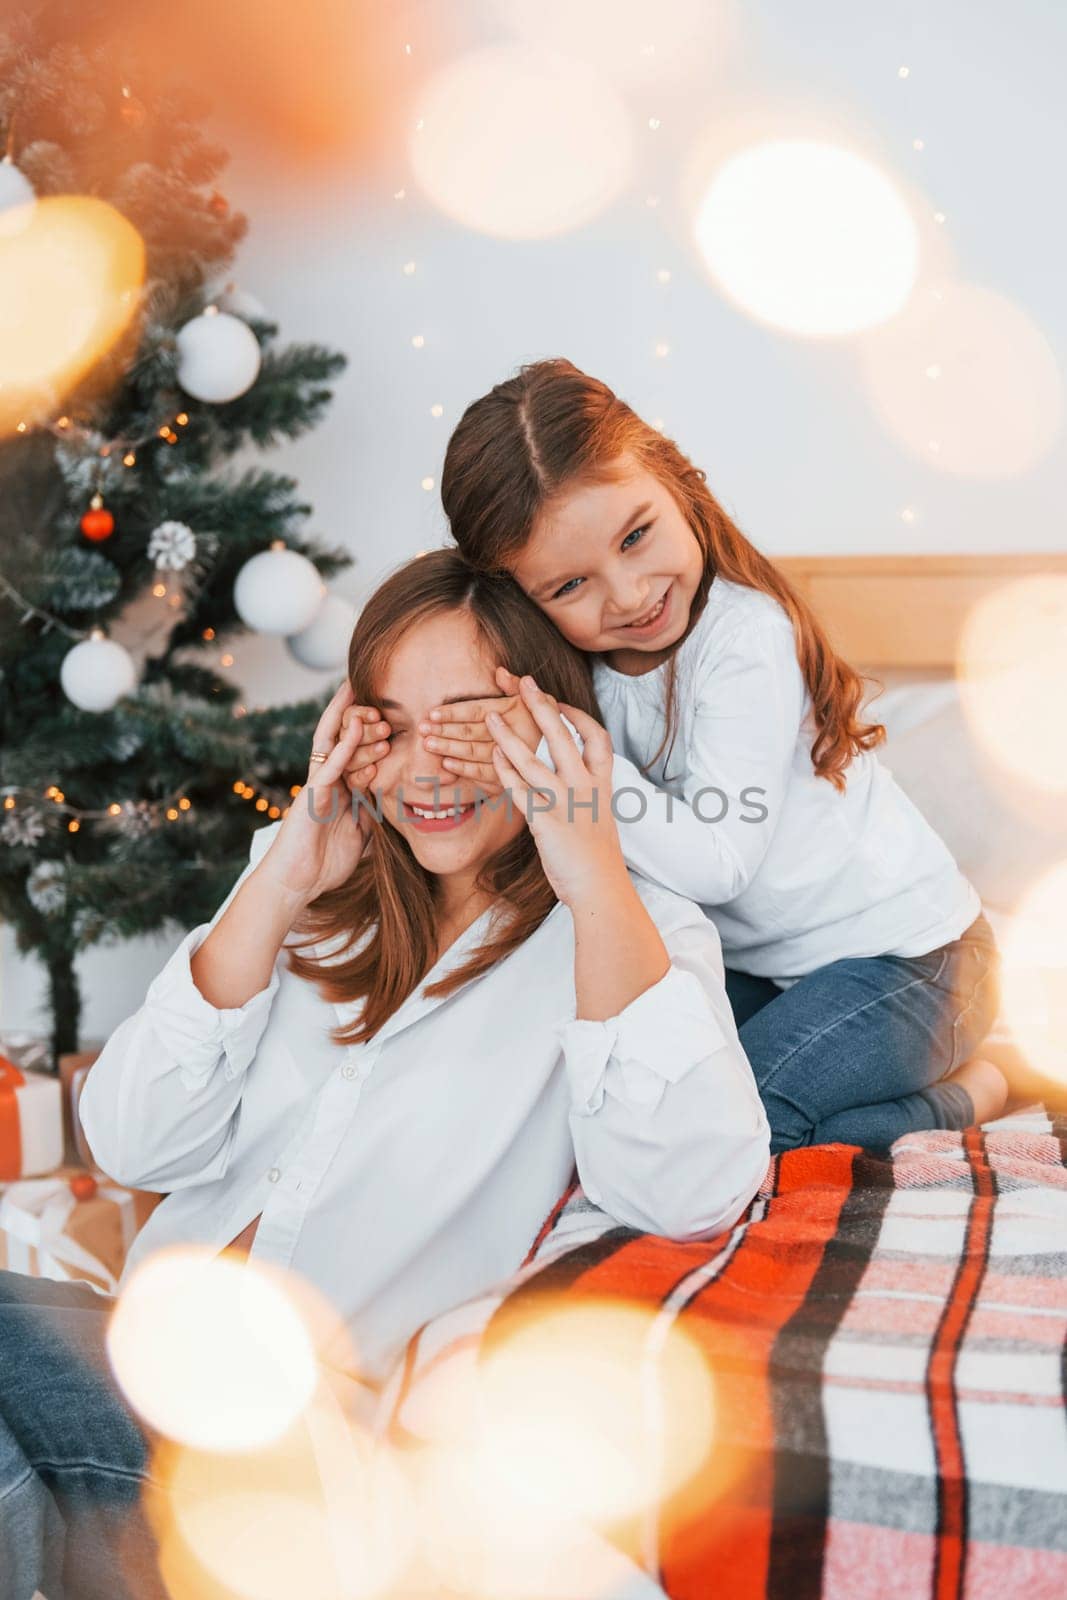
(131, 776)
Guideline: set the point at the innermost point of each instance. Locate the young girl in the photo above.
(481, 1004)
(860, 967)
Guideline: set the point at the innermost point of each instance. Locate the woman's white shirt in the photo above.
(794, 873)
(406, 1175)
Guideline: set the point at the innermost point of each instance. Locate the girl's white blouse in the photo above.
(793, 873)
(406, 1175)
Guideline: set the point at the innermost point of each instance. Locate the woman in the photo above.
(381, 1060)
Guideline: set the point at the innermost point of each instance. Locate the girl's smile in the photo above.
(654, 620)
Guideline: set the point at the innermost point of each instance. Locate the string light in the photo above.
(409, 267)
(67, 429)
(437, 411)
(418, 340)
(427, 484)
(171, 808)
(663, 275)
(662, 348)
(917, 144)
(902, 72)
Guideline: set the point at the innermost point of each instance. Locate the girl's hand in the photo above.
(370, 747)
(320, 842)
(459, 734)
(575, 831)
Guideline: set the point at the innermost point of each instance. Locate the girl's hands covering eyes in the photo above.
(458, 732)
(371, 746)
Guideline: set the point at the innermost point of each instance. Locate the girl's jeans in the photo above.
(855, 1052)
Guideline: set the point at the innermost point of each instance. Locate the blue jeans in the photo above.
(855, 1052)
(73, 1455)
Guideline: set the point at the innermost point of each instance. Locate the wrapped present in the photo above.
(31, 1122)
(32, 1052)
(73, 1071)
(75, 1225)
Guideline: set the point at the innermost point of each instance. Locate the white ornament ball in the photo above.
(218, 357)
(16, 200)
(231, 297)
(15, 188)
(96, 674)
(323, 644)
(278, 591)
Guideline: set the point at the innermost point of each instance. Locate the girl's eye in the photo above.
(633, 538)
(566, 589)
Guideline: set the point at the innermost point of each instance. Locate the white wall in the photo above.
(782, 426)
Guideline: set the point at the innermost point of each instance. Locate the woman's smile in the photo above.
(440, 819)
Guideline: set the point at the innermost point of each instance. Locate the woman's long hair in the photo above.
(390, 896)
(552, 428)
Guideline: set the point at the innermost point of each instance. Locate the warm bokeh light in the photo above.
(966, 380)
(631, 41)
(568, 1403)
(324, 1511)
(212, 1350)
(808, 237)
(481, 1542)
(520, 144)
(1034, 975)
(578, 1415)
(71, 269)
(1012, 671)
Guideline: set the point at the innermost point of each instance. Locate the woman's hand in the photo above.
(320, 842)
(369, 748)
(569, 810)
(460, 735)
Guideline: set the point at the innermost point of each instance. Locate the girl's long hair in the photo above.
(388, 906)
(552, 428)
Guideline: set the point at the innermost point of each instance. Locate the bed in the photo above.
(885, 1335)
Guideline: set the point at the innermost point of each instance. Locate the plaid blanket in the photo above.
(888, 1339)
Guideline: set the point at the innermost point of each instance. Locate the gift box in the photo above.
(31, 1052)
(74, 1225)
(73, 1071)
(31, 1122)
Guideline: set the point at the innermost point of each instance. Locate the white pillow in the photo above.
(1003, 833)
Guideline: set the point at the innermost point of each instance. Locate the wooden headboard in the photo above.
(907, 610)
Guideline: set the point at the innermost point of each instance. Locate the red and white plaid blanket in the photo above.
(888, 1339)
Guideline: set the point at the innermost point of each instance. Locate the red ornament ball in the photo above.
(82, 1186)
(98, 524)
